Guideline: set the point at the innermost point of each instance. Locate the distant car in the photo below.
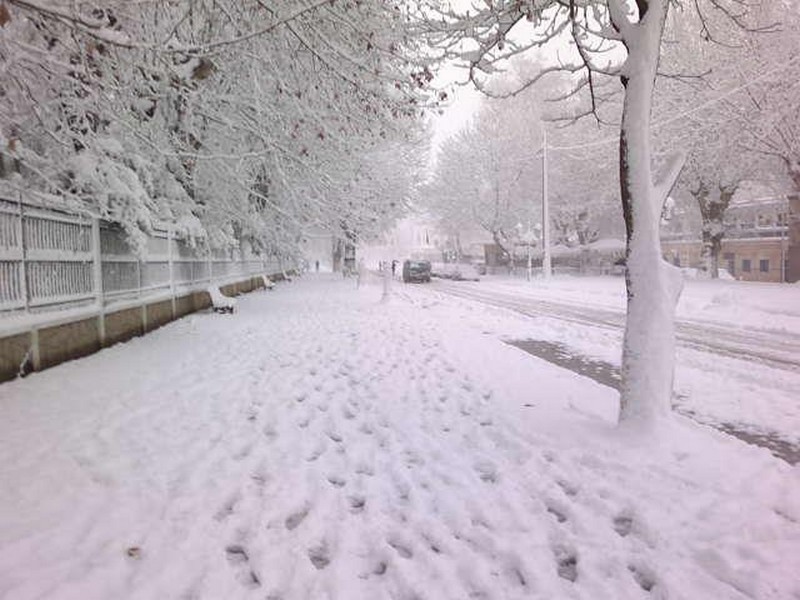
(416, 270)
(455, 271)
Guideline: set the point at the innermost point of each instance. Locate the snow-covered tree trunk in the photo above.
(793, 167)
(653, 285)
(597, 29)
(709, 253)
(713, 203)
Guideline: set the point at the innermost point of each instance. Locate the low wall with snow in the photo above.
(36, 345)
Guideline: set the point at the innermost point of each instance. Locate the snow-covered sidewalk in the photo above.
(322, 444)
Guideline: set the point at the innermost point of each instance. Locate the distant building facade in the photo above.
(761, 243)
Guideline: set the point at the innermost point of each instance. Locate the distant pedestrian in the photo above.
(317, 266)
(394, 267)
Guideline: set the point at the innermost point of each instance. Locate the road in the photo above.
(774, 349)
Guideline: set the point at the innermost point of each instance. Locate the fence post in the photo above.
(36, 356)
(97, 256)
(23, 265)
(138, 277)
(169, 266)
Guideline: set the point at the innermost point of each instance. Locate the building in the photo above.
(759, 243)
(793, 251)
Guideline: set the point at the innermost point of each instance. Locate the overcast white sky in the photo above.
(465, 100)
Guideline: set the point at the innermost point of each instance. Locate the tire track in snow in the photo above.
(778, 351)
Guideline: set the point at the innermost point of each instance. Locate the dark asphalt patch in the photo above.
(607, 374)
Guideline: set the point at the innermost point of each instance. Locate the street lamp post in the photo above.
(527, 238)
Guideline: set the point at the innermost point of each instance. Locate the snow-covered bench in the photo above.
(268, 283)
(219, 302)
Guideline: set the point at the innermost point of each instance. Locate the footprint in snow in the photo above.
(566, 563)
(239, 559)
(486, 471)
(293, 520)
(380, 568)
(243, 452)
(365, 469)
(558, 513)
(357, 503)
(228, 507)
(402, 549)
(644, 576)
(336, 481)
(315, 454)
(623, 524)
(269, 433)
(319, 556)
(567, 488)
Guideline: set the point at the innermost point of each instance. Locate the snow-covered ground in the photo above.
(746, 305)
(323, 444)
(738, 352)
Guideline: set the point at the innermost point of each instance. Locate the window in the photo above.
(763, 265)
(746, 265)
(765, 220)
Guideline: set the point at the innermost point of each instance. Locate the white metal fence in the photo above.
(52, 258)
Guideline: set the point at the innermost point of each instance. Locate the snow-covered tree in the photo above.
(573, 227)
(484, 176)
(768, 107)
(603, 38)
(252, 116)
(706, 84)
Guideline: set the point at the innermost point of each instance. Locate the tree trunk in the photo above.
(716, 248)
(653, 285)
(503, 249)
(712, 210)
(709, 254)
(712, 246)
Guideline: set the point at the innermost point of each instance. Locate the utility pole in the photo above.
(546, 263)
(529, 241)
(784, 225)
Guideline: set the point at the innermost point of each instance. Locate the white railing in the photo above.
(52, 259)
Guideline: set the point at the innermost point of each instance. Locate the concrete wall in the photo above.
(48, 345)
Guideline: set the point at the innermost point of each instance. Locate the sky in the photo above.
(465, 102)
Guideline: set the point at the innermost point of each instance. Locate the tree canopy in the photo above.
(228, 119)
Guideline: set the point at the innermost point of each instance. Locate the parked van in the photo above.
(416, 270)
